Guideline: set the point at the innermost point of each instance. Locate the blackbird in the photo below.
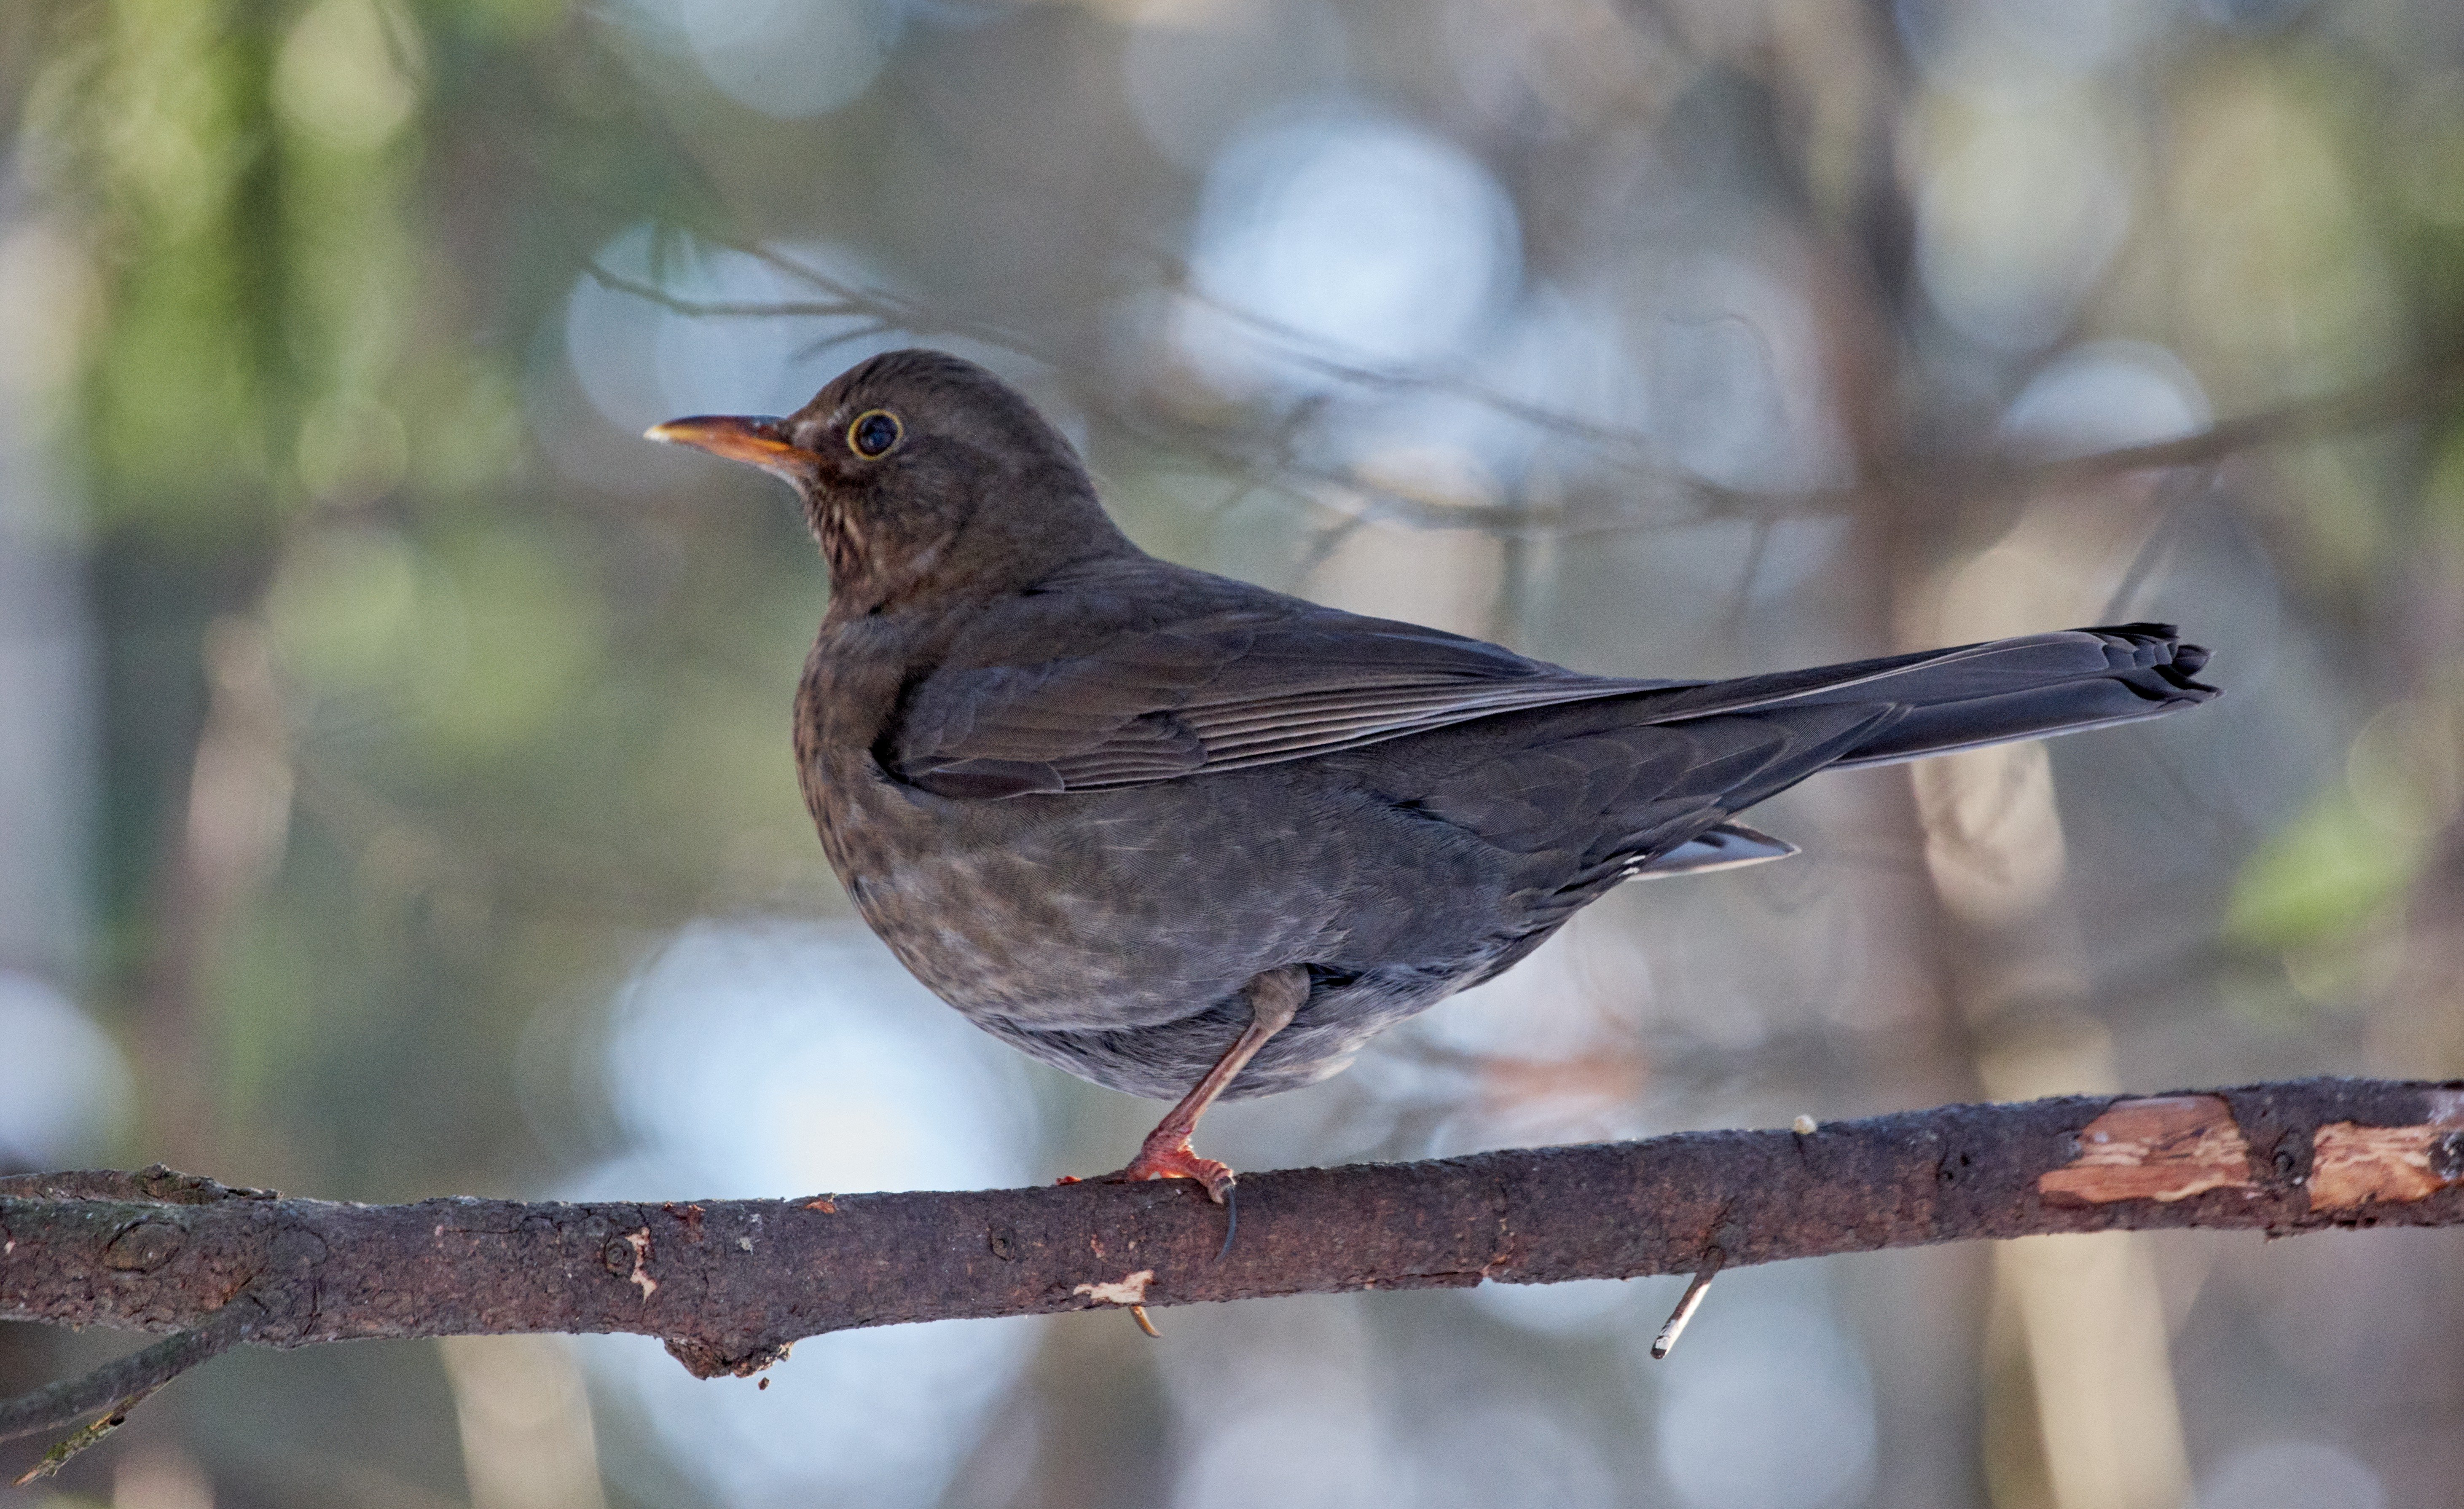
(1185, 837)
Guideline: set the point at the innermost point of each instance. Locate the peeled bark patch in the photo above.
(1131, 1290)
(2354, 1165)
(2163, 1148)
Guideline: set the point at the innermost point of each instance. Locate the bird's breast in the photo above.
(1129, 906)
(1092, 911)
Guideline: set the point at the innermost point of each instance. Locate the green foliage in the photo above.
(2328, 874)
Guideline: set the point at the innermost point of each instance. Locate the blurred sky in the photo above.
(395, 791)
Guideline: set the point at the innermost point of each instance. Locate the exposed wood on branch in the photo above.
(730, 1283)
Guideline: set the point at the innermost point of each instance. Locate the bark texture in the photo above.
(730, 1283)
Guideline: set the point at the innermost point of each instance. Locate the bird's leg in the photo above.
(1275, 997)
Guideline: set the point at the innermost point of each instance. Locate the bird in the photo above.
(1196, 839)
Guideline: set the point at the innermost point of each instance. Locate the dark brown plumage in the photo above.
(1142, 822)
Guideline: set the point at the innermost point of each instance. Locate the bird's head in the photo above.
(921, 473)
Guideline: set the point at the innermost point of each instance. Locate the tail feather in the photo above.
(1979, 694)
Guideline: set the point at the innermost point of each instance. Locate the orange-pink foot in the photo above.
(1172, 1159)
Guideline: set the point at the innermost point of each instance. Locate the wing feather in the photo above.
(1154, 672)
(1151, 704)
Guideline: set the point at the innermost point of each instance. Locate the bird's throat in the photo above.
(842, 541)
(873, 570)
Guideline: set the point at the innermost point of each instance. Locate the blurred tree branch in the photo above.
(728, 1284)
(1667, 493)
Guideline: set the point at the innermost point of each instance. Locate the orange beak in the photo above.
(755, 440)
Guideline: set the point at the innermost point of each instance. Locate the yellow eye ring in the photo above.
(874, 433)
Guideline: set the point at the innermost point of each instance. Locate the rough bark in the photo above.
(730, 1283)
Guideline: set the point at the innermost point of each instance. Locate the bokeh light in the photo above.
(1500, 1451)
(63, 1085)
(2102, 396)
(786, 58)
(1767, 1407)
(1194, 70)
(1344, 234)
(2020, 216)
(642, 362)
(769, 1060)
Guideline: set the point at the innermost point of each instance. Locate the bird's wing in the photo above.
(1251, 684)
(1128, 670)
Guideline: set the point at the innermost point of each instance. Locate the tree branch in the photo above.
(730, 1283)
(120, 1385)
(1640, 487)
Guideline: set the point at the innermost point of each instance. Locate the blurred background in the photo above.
(395, 794)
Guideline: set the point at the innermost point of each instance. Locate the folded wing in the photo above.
(1265, 678)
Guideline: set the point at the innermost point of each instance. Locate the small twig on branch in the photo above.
(71, 1446)
(728, 1284)
(1688, 1303)
(118, 1386)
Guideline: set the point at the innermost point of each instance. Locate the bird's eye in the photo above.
(873, 433)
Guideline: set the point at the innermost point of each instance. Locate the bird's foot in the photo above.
(1168, 1157)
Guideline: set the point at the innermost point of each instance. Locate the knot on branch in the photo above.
(716, 1360)
(144, 1246)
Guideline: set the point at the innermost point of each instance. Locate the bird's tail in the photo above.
(1977, 694)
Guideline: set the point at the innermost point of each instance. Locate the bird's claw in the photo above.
(1174, 1160)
